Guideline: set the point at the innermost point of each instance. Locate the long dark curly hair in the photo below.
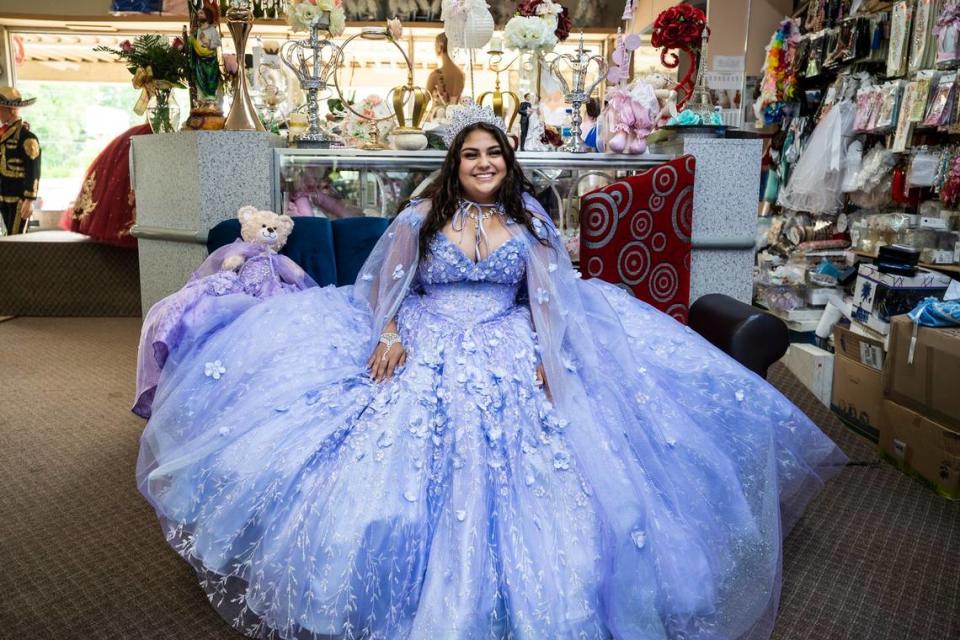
(445, 193)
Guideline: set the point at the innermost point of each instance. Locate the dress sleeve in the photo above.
(389, 271)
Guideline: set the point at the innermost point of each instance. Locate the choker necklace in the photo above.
(478, 213)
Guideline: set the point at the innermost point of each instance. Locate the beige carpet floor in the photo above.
(877, 555)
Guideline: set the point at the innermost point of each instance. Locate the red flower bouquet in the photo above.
(680, 27)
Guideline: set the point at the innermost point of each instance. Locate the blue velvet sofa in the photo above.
(330, 251)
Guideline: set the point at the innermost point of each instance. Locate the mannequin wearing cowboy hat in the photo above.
(19, 162)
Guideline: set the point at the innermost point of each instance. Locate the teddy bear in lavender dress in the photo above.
(230, 281)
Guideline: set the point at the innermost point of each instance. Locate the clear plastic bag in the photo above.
(923, 168)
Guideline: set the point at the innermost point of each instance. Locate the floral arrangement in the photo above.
(157, 65)
(165, 61)
(779, 83)
(950, 191)
(681, 27)
(394, 28)
(356, 129)
(538, 25)
(303, 15)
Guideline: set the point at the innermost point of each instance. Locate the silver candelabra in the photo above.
(313, 61)
(579, 93)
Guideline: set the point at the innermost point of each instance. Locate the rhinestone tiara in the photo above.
(469, 113)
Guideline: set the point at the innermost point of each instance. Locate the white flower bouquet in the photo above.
(537, 26)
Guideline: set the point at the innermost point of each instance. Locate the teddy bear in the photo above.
(259, 227)
(659, 82)
(231, 280)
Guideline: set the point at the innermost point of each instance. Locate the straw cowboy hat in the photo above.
(10, 97)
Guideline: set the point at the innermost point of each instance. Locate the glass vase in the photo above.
(163, 112)
(531, 64)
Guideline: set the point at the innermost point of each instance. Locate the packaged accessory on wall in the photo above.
(923, 44)
(947, 31)
(905, 126)
(924, 167)
(899, 40)
(866, 101)
(862, 38)
(802, 56)
(818, 45)
(879, 37)
(889, 105)
(925, 80)
(940, 105)
(876, 106)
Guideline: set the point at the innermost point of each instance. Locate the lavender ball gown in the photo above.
(455, 500)
(211, 299)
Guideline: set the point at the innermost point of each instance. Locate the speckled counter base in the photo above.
(725, 199)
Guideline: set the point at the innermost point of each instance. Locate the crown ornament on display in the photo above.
(470, 113)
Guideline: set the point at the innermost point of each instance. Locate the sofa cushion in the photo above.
(353, 240)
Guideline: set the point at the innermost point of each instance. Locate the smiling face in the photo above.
(482, 167)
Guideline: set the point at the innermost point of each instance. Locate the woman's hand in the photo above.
(385, 360)
(542, 381)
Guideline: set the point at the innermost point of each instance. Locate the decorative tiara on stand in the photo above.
(469, 113)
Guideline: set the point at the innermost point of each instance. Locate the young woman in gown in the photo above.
(472, 442)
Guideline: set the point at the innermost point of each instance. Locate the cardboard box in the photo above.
(931, 383)
(813, 366)
(922, 447)
(880, 296)
(857, 396)
(858, 347)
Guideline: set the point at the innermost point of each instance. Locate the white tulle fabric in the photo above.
(647, 500)
(816, 183)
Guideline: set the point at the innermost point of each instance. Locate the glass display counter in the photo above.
(347, 182)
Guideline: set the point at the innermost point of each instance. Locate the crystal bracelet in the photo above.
(388, 339)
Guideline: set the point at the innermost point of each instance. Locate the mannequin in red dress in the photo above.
(105, 208)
